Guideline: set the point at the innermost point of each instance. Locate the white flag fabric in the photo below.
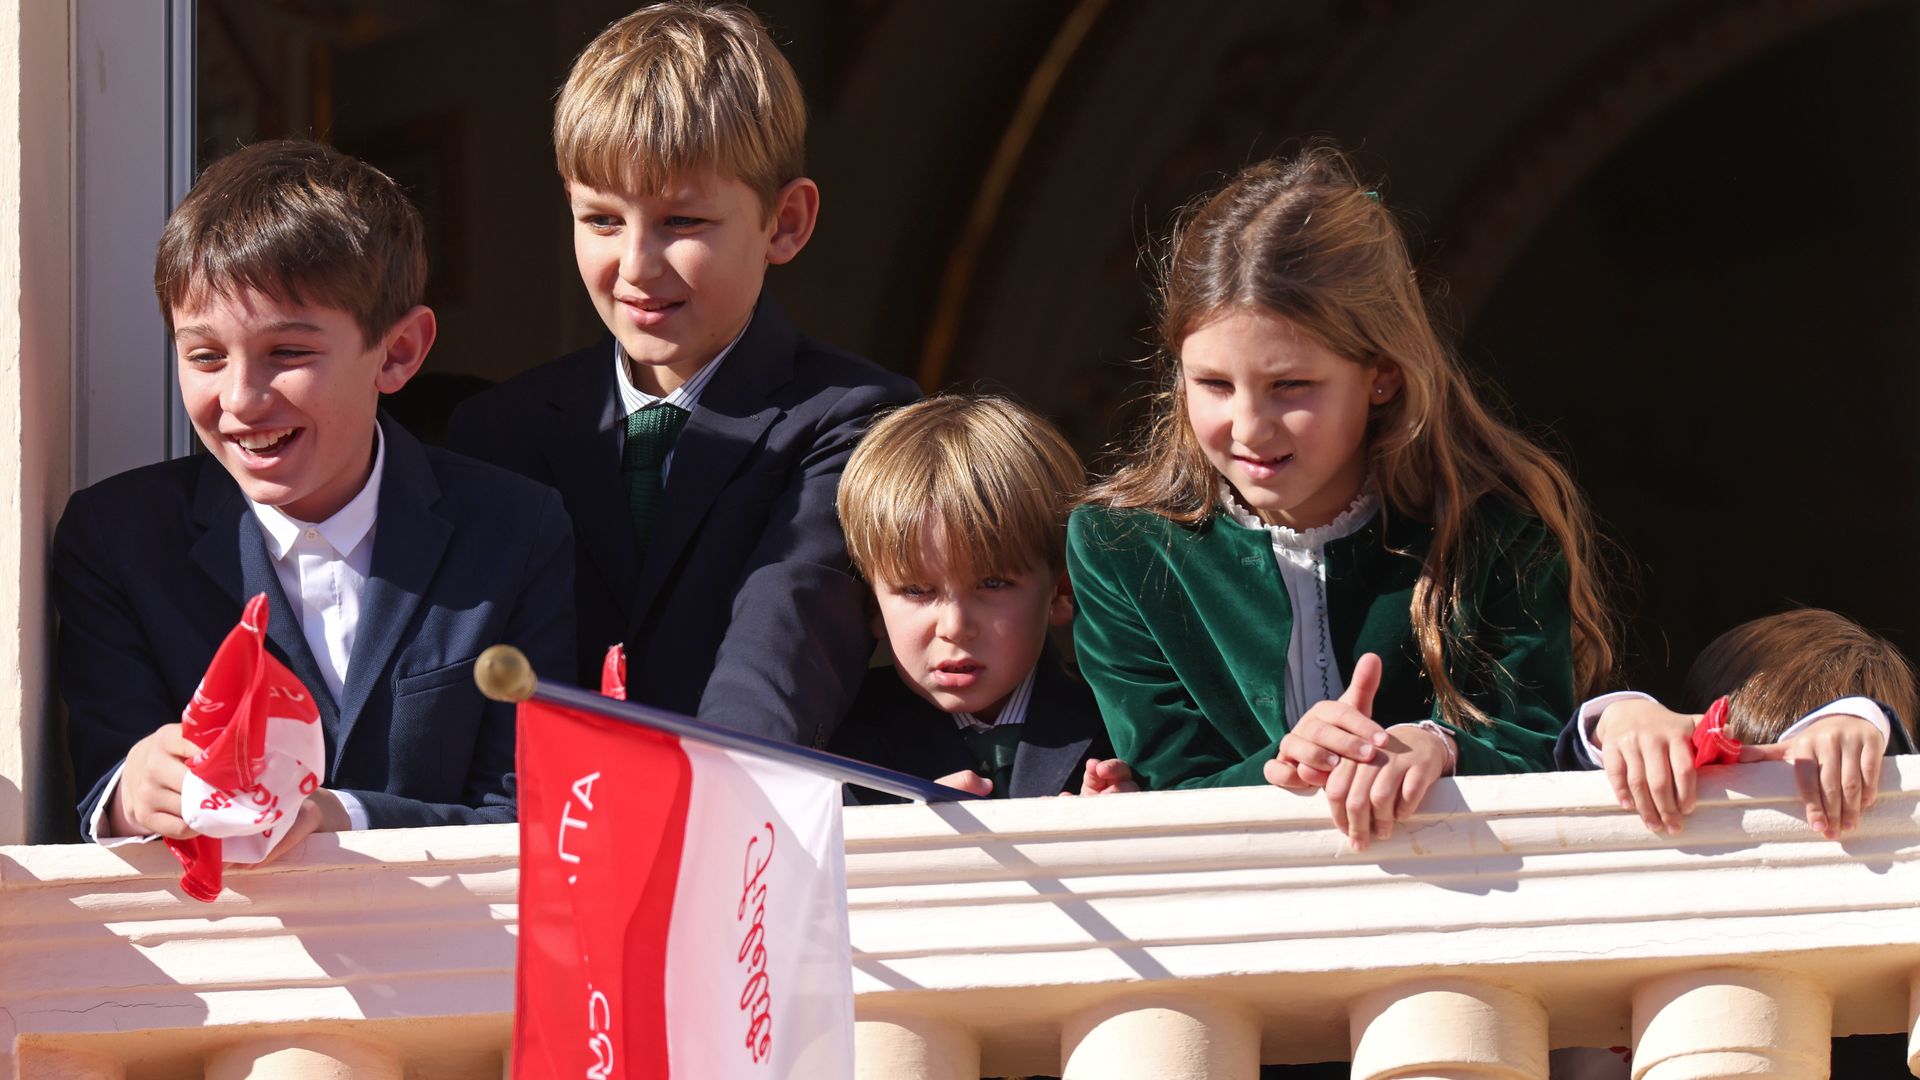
(682, 911)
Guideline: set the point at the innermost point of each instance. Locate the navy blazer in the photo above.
(151, 569)
(892, 726)
(744, 611)
(1570, 753)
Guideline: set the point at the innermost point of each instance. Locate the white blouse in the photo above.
(1313, 672)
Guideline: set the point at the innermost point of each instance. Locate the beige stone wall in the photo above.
(36, 321)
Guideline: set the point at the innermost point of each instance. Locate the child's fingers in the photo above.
(1870, 761)
(1329, 732)
(1686, 779)
(1413, 789)
(1337, 785)
(305, 821)
(1615, 764)
(1661, 787)
(1385, 799)
(1283, 774)
(1365, 683)
(1833, 793)
(163, 823)
(1313, 777)
(1359, 803)
(1853, 788)
(1806, 777)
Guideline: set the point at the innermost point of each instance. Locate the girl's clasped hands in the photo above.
(1373, 776)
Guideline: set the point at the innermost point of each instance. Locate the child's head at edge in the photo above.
(290, 280)
(680, 134)
(1289, 272)
(1781, 667)
(955, 512)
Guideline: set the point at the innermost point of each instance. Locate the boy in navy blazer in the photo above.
(290, 280)
(956, 512)
(698, 446)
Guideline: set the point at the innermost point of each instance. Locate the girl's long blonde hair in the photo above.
(1305, 238)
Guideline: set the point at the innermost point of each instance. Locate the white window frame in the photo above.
(132, 161)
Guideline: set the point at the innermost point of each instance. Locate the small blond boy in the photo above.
(955, 511)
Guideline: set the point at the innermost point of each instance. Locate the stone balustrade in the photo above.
(1162, 935)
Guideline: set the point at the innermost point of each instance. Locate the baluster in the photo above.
(1701, 1025)
(1448, 1029)
(1162, 1037)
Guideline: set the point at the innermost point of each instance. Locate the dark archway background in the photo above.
(1680, 234)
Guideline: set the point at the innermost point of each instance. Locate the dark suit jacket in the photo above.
(1569, 752)
(745, 611)
(894, 727)
(151, 568)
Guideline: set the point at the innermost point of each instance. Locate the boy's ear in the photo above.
(796, 209)
(405, 348)
(1060, 608)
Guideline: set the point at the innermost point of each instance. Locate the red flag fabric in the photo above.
(258, 731)
(613, 673)
(1711, 743)
(682, 909)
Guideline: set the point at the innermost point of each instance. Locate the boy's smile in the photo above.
(285, 396)
(965, 644)
(676, 275)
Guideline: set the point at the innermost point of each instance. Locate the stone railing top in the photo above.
(1013, 913)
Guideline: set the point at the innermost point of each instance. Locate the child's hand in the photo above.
(1836, 763)
(319, 812)
(1368, 797)
(1330, 733)
(1109, 777)
(146, 801)
(1647, 750)
(968, 781)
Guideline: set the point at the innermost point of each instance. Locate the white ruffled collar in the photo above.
(1351, 520)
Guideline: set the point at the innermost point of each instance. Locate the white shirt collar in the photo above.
(1013, 712)
(344, 530)
(686, 395)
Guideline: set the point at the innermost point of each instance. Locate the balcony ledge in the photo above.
(1011, 918)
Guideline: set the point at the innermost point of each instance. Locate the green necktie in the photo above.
(993, 751)
(650, 434)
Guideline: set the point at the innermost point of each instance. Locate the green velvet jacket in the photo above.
(1182, 632)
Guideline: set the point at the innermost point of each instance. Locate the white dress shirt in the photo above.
(686, 395)
(323, 568)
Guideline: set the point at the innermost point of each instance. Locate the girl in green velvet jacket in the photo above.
(1327, 565)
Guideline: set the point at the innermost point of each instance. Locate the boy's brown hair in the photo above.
(679, 88)
(300, 222)
(993, 476)
(1779, 668)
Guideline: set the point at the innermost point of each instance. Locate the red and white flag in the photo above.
(682, 909)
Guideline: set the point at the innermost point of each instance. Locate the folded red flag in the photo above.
(613, 673)
(261, 752)
(1711, 743)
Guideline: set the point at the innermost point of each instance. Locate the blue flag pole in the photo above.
(503, 674)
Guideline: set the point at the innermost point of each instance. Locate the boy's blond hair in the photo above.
(1779, 668)
(678, 88)
(993, 476)
(300, 222)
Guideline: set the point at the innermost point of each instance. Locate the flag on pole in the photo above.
(682, 908)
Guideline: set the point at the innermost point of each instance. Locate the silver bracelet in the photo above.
(1446, 739)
